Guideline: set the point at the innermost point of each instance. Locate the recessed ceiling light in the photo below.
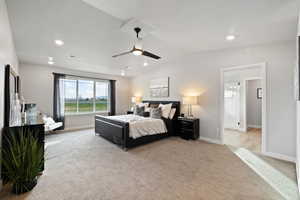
(122, 72)
(50, 58)
(145, 64)
(230, 37)
(59, 42)
(50, 62)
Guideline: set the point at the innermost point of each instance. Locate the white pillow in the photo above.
(147, 109)
(146, 105)
(48, 121)
(165, 110)
(172, 113)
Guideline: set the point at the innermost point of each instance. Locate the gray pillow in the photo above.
(155, 113)
(139, 110)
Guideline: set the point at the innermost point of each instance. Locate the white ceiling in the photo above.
(91, 29)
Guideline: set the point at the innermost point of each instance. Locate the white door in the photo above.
(232, 105)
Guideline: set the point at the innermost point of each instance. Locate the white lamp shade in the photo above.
(136, 99)
(132, 99)
(190, 100)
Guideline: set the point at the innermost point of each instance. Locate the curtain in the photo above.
(112, 92)
(58, 99)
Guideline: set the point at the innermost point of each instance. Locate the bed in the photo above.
(117, 131)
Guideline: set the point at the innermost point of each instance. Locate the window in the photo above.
(101, 96)
(86, 96)
(70, 96)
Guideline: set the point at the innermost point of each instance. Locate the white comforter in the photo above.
(141, 126)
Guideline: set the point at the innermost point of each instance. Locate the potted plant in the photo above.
(22, 161)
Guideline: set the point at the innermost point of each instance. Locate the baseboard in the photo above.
(79, 128)
(72, 129)
(242, 130)
(254, 126)
(297, 170)
(206, 139)
(280, 156)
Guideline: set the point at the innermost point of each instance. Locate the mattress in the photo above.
(141, 126)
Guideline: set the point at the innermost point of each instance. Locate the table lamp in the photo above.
(135, 100)
(190, 100)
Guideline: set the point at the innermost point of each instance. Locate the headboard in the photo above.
(175, 104)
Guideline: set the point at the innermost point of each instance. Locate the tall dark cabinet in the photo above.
(34, 127)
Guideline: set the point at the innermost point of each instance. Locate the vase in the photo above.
(25, 186)
(15, 112)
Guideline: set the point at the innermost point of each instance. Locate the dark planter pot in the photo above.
(22, 187)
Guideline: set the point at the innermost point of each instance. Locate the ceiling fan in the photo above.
(137, 49)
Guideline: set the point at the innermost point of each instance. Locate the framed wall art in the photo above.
(159, 87)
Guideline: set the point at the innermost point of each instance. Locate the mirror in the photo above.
(11, 87)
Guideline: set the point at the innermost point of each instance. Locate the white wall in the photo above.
(298, 143)
(37, 87)
(7, 52)
(298, 113)
(200, 73)
(7, 55)
(254, 106)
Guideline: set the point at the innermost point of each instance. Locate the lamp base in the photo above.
(190, 117)
(190, 113)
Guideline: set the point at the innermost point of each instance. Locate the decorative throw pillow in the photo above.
(148, 109)
(155, 113)
(139, 110)
(172, 113)
(143, 104)
(165, 109)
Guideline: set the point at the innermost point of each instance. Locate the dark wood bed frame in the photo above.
(117, 132)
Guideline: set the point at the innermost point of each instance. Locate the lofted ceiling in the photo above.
(94, 30)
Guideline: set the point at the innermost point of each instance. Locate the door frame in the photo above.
(263, 67)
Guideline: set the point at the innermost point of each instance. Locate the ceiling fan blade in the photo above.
(122, 54)
(146, 53)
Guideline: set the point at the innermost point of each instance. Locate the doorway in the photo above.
(232, 105)
(243, 105)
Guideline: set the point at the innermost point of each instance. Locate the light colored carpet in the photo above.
(82, 166)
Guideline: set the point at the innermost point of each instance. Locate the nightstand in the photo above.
(188, 128)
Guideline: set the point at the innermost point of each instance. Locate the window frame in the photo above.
(94, 96)
(108, 96)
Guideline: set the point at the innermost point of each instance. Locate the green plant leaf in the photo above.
(23, 158)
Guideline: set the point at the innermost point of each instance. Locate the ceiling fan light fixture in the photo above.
(137, 52)
(138, 48)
